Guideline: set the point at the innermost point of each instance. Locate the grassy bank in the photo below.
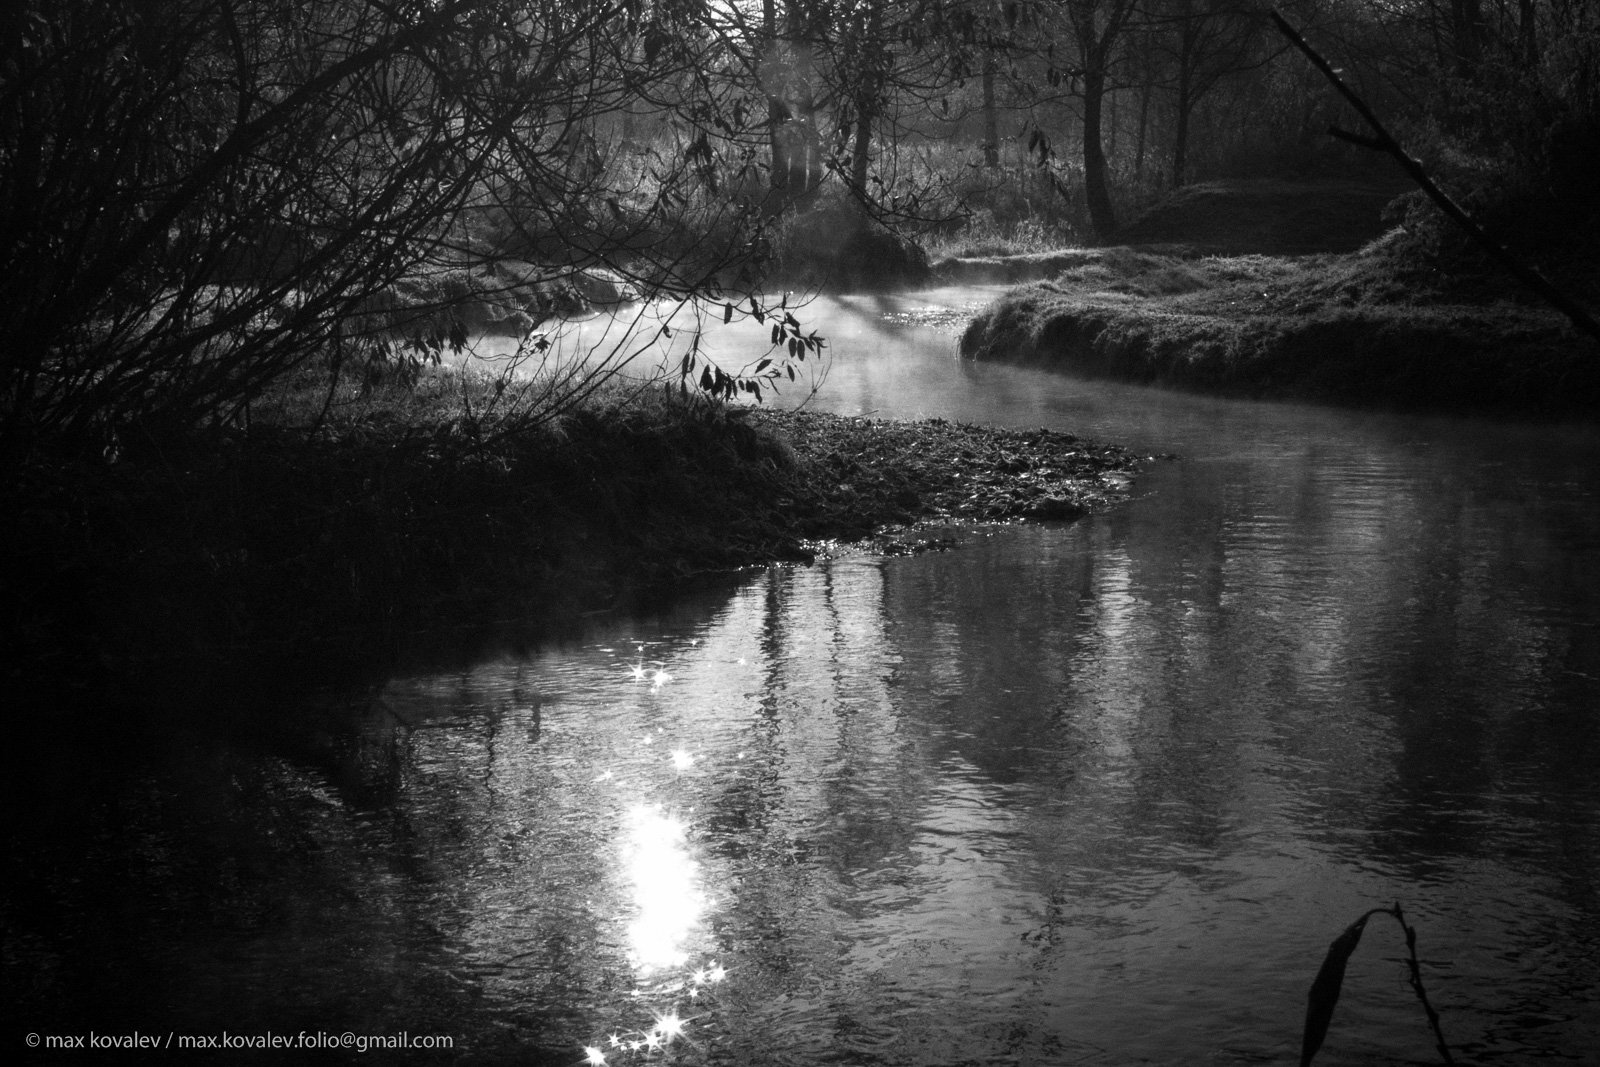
(1338, 328)
(1377, 325)
(293, 547)
(1271, 288)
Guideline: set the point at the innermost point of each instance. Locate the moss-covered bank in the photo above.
(1354, 328)
(1301, 290)
(1246, 337)
(284, 552)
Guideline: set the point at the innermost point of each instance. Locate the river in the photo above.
(1098, 793)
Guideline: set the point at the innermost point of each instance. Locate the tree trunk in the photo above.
(1466, 18)
(806, 164)
(867, 92)
(1180, 135)
(861, 155)
(1144, 127)
(1527, 34)
(1096, 192)
(1096, 24)
(991, 116)
(777, 112)
(807, 167)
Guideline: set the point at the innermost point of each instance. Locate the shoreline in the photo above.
(1335, 328)
(1332, 291)
(262, 558)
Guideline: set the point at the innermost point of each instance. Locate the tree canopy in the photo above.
(198, 197)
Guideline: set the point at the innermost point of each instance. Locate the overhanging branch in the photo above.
(1383, 141)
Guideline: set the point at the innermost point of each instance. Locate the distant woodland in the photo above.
(198, 197)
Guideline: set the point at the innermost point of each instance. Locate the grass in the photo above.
(1366, 327)
(983, 237)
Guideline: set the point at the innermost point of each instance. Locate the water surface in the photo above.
(1097, 793)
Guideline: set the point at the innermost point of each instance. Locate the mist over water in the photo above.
(1097, 793)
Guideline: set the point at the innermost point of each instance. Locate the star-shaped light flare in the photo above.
(669, 1026)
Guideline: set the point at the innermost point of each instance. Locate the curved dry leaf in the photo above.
(1325, 990)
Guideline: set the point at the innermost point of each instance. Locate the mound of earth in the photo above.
(1265, 216)
(1349, 328)
(1456, 358)
(837, 247)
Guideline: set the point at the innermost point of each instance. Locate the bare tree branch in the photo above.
(1382, 140)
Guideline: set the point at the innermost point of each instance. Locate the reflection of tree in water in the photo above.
(917, 805)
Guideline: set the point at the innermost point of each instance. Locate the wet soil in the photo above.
(889, 482)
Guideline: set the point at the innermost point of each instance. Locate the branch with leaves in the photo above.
(202, 196)
(1330, 978)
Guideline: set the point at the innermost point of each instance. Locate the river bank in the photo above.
(1245, 310)
(1317, 619)
(354, 544)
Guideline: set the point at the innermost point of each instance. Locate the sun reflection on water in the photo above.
(666, 888)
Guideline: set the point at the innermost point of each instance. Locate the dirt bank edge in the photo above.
(283, 554)
(1500, 357)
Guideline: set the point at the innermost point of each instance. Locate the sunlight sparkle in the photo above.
(665, 888)
(669, 1026)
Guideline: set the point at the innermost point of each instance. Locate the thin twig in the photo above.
(1324, 995)
(1416, 983)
